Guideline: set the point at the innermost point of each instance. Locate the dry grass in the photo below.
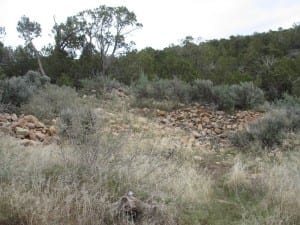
(238, 175)
(79, 183)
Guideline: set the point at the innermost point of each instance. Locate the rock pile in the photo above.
(203, 122)
(27, 128)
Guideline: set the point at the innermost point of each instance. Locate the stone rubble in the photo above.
(28, 128)
(203, 122)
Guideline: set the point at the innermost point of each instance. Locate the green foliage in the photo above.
(272, 128)
(100, 85)
(226, 97)
(202, 90)
(77, 124)
(162, 89)
(246, 95)
(18, 90)
(47, 103)
(2, 73)
(96, 42)
(28, 29)
(223, 97)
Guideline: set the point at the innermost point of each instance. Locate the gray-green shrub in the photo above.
(48, 102)
(246, 95)
(162, 89)
(100, 85)
(202, 91)
(77, 124)
(269, 130)
(222, 97)
(18, 90)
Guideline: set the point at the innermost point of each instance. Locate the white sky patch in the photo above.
(165, 22)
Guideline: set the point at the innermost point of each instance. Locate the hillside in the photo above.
(114, 163)
(271, 60)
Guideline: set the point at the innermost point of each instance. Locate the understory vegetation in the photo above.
(103, 99)
(81, 180)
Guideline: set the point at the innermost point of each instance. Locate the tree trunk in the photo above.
(40, 64)
(37, 54)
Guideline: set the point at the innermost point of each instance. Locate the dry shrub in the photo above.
(283, 183)
(50, 101)
(238, 176)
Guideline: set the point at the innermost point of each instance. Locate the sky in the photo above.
(165, 22)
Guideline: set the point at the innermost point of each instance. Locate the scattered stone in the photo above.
(218, 131)
(197, 158)
(28, 128)
(196, 134)
(40, 136)
(14, 117)
(205, 123)
(161, 113)
(21, 132)
(30, 125)
(52, 130)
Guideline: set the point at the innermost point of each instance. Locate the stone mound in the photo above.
(28, 128)
(204, 122)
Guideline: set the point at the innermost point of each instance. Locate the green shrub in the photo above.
(175, 89)
(143, 88)
(48, 102)
(202, 91)
(101, 85)
(18, 90)
(222, 97)
(269, 130)
(226, 97)
(77, 124)
(246, 95)
(8, 108)
(162, 89)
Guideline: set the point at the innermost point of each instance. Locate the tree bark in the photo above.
(37, 54)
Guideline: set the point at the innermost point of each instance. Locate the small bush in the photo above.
(222, 97)
(202, 91)
(163, 89)
(269, 130)
(18, 90)
(226, 97)
(246, 95)
(101, 85)
(47, 103)
(76, 124)
(176, 89)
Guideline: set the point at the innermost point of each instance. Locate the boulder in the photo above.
(22, 132)
(52, 130)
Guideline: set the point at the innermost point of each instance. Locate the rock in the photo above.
(30, 125)
(39, 124)
(205, 119)
(198, 158)
(161, 113)
(4, 117)
(30, 118)
(218, 131)
(14, 117)
(196, 134)
(40, 136)
(220, 113)
(52, 130)
(32, 136)
(199, 127)
(22, 132)
(141, 120)
(164, 121)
